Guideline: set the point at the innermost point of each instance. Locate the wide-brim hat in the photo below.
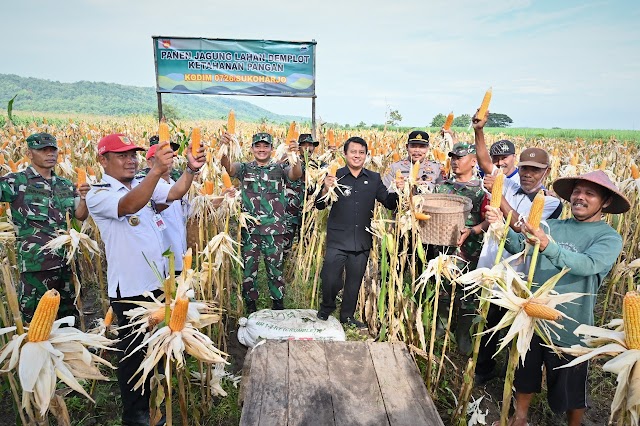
(307, 138)
(564, 187)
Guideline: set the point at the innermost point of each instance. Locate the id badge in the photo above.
(157, 219)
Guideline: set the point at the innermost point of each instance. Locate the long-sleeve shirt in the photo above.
(590, 250)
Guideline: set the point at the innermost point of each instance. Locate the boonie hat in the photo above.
(418, 136)
(153, 140)
(535, 157)
(564, 187)
(502, 147)
(262, 137)
(41, 140)
(117, 142)
(307, 138)
(462, 149)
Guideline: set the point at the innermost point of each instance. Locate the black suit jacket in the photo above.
(352, 213)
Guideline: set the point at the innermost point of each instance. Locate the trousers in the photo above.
(336, 263)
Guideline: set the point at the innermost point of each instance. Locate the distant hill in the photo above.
(98, 98)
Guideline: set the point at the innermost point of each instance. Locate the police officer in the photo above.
(262, 186)
(417, 149)
(40, 201)
(126, 212)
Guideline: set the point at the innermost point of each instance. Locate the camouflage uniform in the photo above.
(263, 197)
(294, 194)
(38, 209)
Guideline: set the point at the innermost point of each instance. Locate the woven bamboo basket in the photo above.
(448, 214)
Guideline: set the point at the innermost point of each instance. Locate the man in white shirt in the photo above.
(126, 212)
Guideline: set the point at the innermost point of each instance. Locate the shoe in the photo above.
(352, 322)
(322, 316)
(482, 378)
(464, 328)
(140, 418)
(278, 304)
(250, 307)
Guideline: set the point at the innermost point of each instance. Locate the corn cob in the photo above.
(231, 122)
(574, 160)
(631, 318)
(208, 187)
(635, 173)
(108, 318)
(331, 137)
(291, 133)
(537, 207)
(13, 166)
(2, 160)
(448, 122)
(398, 174)
(538, 310)
(603, 165)
(196, 140)
(422, 216)
(44, 316)
(226, 179)
(90, 171)
(82, 176)
(496, 190)
(395, 156)
(415, 171)
(187, 260)
(163, 132)
(333, 168)
(485, 104)
(179, 314)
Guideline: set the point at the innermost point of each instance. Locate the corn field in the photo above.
(397, 301)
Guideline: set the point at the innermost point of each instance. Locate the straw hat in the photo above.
(564, 186)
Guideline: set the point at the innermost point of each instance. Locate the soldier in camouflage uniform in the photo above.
(430, 172)
(464, 183)
(294, 189)
(262, 185)
(40, 201)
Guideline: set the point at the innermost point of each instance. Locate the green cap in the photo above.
(262, 137)
(461, 149)
(41, 140)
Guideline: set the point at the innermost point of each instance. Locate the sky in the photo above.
(568, 64)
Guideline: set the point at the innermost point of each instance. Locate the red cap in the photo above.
(116, 142)
(152, 151)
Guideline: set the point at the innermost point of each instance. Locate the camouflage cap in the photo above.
(462, 149)
(262, 137)
(307, 138)
(41, 140)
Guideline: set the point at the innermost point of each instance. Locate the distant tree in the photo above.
(362, 124)
(438, 120)
(461, 121)
(394, 117)
(499, 120)
(169, 112)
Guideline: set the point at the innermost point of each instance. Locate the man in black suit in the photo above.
(348, 241)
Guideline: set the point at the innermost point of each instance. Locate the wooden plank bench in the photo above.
(301, 382)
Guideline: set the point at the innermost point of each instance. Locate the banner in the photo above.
(234, 67)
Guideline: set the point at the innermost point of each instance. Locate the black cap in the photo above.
(307, 138)
(418, 136)
(503, 147)
(153, 140)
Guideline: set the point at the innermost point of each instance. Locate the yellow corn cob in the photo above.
(635, 173)
(90, 171)
(108, 318)
(496, 191)
(156, 317)
(574, 160)
(291, 133)
(398, 174)
(603, 165)
(2, 160)
(447, 166)
(415, 171)
(485, 104)
(537, 207)
(163, 132)
(231, 122)
(208, 187)
(422, 216)
(372, 151)
(395, 156)
(448, 122)
(631, 318)
(13, 166)
(226, 179)
(4, 145)
(333, 169)
(45, 315)
(82, 176)
(538, 310)
(179, 314)
(187, 260)
(196, 140)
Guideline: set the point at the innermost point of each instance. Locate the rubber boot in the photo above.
(278, 304)
(464, 328)
(442, 317)
(250, 307)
